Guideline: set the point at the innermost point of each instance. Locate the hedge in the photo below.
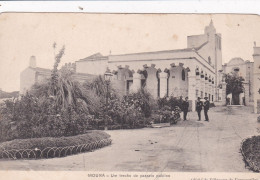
(250, 150)
(49, 147)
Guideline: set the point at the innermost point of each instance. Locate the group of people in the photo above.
(199, 106)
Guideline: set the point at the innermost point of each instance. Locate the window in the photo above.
(209, 60)
(236, 69)
(183, 75)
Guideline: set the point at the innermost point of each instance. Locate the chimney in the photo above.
(32, 62)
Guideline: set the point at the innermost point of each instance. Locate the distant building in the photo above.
(244, 69)
(34, 74)
(256, 57)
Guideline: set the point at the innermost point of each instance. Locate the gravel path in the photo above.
(190, 146)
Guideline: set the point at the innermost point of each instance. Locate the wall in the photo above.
(27, 79)
(176, 86)
(96, 67)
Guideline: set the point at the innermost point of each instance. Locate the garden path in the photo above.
(189, 146)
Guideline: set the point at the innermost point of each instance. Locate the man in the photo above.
(185, 108)
(199, 108)
(206, 108)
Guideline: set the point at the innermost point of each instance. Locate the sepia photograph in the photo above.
(130, 92)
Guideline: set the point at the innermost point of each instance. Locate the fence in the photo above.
(51, 152)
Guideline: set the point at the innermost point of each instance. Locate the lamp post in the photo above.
(108, 76)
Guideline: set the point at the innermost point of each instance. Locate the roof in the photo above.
(155, 52)
(94, 57)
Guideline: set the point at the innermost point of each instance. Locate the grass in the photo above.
(41, 143)
(251, 152)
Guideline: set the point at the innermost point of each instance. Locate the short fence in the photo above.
(51, 152)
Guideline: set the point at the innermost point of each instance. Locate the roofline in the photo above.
(153, 52)
(93, 59)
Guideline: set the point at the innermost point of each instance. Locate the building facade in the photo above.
(195, 71)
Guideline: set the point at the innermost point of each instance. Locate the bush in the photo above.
(141, 100)
(53, 147)
(171, 102)
(41, 143)
(33, 117)
(165, 115)
(251, 152)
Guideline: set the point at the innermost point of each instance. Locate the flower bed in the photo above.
(250, 150)
(50, 147)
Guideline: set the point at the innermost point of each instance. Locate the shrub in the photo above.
(53, 147)
(171, 102)
(165, 115)
(33, 117)
(141, 100)
(251, 152)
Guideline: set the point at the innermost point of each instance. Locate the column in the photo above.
(206, 88)
(136, 82)
(213, 90)
(202, 81)
(163, 84)
(192, 89)
(246, 93)
(198, 84)
(224, 93)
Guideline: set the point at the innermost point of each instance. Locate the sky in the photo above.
(25, 34)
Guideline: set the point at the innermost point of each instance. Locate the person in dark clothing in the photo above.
(206, 108)
(185, 108)
(199, 108)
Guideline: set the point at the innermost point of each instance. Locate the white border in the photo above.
(176, 6)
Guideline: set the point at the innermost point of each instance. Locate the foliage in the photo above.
(165, 115)
(171, 102)
(100, 87)
(234, 83)
(142, 101)
(41, 143)
(32, 117)
(251, 151)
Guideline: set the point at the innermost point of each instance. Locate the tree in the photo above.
(234, 84)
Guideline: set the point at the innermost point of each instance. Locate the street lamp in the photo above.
(108, 76)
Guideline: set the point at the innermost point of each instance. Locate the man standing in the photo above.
(199, 107)
(206, 108)
(185, 108)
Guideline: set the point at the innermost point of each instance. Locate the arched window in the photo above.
(183, 75)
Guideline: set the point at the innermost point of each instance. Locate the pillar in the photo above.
(136, 82)
(246, 92)
(224, 93)
(202, 81)
(163, 84)
(198, 84)
(192, 89)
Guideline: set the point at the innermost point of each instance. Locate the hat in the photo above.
(199, 98)
(205, 97)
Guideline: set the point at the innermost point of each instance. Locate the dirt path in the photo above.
(190, 146)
